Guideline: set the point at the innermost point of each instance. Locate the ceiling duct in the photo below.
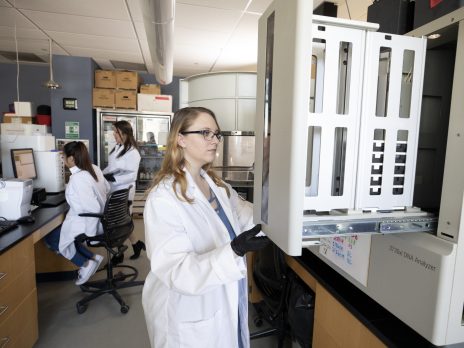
(158, 19)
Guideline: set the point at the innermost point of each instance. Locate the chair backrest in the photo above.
(117, 222)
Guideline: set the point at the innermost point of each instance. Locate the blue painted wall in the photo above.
(75, 74)
(31, 79)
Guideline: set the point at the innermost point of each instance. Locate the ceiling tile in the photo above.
(27, 45)
(199, 37)
(135, 10)
(90, 8)
(22, 33)
(242, 47)
(238, 55)
(182, 71)
(103, 63)
(10, 16)
(132, 57)
(259, 6)
(194, 55)
(81, 25)
(205, 18)
(228, 67)
(223, 4)
(248, 26)
(96, 42)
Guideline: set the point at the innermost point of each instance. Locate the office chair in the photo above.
(270, 273)
(117, 226)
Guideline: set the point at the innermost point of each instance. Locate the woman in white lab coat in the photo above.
(195, 294)
(85, 192)
(121, 172)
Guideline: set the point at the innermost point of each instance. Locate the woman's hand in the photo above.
(247, 241)
(109, 177)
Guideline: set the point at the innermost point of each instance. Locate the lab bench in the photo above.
(344, 315)
(18, 292)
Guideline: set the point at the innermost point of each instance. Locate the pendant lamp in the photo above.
(51, 84)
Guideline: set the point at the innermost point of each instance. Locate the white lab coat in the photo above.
(83, 195)
(190, 296)
(124, 169)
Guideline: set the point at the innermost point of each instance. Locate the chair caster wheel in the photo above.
(124, 309)
(258, 321)
(81, 308)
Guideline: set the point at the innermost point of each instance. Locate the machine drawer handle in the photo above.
(4, 341)
(3, 309)
(2, 275)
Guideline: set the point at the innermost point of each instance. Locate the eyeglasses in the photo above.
(207, 134)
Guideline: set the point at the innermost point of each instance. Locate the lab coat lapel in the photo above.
(216, 228)
(221, 194)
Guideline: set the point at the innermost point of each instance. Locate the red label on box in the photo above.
(434, 3)
(160, 97)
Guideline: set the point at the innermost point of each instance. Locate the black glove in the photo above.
(109, 177)
(247, 241)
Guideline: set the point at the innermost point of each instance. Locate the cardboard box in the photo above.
(23, 129)
(24, 109)
(150, 89)
(126, 99)
(127, 80)
(105, 79)
(154, 102)
(103, 97)
(17, 119)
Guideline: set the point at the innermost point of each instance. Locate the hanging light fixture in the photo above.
(51, 84)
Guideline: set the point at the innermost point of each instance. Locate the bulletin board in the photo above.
(350, 253)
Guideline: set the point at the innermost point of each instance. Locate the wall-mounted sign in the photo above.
(70, 103)
(71, 130)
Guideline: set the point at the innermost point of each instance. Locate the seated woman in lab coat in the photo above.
(121, 172)
(85, 193)
(195, 294)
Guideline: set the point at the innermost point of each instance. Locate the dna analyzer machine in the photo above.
(359, 147)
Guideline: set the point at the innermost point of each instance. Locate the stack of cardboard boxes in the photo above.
(24, 112)
(118, 89)
(150, 99)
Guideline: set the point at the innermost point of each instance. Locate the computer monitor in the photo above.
(23, 163)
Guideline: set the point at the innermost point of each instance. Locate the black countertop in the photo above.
(42, 216)
(388, 328)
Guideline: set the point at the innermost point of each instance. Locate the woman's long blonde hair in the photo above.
(174, 160)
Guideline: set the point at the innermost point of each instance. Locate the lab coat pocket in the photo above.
(201, 333)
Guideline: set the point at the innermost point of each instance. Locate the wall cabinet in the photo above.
(230, 95)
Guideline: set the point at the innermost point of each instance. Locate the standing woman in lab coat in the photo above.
(85, 192)
(122, 169)
(195, 294)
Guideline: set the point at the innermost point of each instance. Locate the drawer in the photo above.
(15, 260)
(15, 292)
(21, 328)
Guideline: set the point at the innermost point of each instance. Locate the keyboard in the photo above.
(7, 225)
(53, 200)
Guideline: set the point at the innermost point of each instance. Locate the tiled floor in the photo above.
(102, 325)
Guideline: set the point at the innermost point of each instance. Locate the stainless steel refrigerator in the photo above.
(235, 161)
(151, 131)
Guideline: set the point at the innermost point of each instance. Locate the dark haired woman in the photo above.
(122, 169)
(85, 193)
